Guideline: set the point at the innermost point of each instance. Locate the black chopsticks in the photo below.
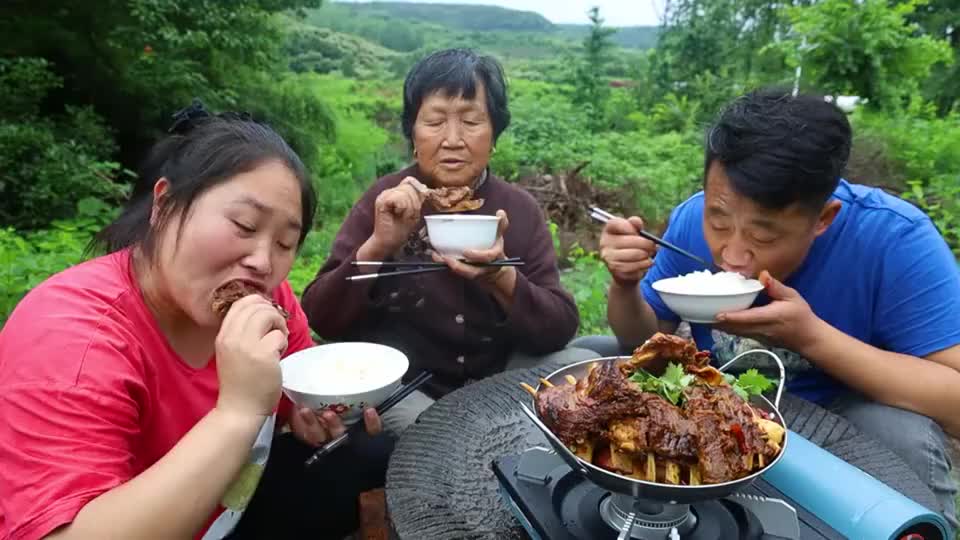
(603, 216)
(417, 267)
(387, 404)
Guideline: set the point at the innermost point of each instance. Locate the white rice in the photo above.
(704, 282)
(343, 376)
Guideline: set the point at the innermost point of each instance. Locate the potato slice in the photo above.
(694, 475)
(529, 389)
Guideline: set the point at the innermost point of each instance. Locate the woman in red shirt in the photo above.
(129, 408)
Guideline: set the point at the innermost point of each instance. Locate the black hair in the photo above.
(201, 152)
(778, 149)
(455, 72)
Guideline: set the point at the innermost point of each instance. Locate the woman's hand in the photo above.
(396, 214)
(318, 429)
(484, 275)
(248, 348)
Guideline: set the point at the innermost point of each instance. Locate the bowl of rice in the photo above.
(698, 297)
(343, 377)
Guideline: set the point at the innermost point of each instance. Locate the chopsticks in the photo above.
(603, 216)
(387, 404)
(422, 267)
(509, 261)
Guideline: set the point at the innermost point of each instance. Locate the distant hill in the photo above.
(367, 39)
(460, 16)
(342, 16)
(630, 37)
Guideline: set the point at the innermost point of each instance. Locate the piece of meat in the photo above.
(453, 199)
(660, 350)
(718, 452)
(663, 431)
(230, 292)
(734, 411)
(575, 413)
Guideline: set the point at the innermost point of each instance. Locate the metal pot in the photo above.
(655, 491)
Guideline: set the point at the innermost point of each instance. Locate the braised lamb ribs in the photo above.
(714, 432)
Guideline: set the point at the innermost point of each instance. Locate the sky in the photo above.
(614, 12)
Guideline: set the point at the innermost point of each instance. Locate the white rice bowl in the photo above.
(343, 377)
(697, 297)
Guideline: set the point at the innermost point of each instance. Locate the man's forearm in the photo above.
(899, 380)
(632, 320)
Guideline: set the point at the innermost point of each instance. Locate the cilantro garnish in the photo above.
(670, 385)
(750, 382)
(674, 380)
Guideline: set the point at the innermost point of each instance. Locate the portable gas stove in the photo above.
(553, 502)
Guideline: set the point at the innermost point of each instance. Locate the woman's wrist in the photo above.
(372, 250)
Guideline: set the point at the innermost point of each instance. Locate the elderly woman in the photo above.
(138, 401)
(470, 322)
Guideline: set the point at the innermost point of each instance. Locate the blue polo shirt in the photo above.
(881, 273)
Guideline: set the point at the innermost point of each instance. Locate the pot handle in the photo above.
(783, 374)
(558, 446)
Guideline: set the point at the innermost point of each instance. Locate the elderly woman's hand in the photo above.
(396, 214)
(318, 429)
(498, 277)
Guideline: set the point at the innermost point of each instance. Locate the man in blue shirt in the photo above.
(862, 294)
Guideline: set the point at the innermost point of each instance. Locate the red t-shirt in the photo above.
(91, 395)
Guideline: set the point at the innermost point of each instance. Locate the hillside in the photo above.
(507, 32)
(459, 16)
(630, 37)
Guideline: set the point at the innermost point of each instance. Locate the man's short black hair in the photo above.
(778, 149)
(455, 72)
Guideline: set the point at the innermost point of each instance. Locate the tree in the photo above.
(866, 48)
(939, 18)
(590, 84)
(137, 61)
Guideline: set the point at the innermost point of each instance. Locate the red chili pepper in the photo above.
(737, 431)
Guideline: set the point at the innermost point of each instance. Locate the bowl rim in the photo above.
(755, 287)
(302, 352)
(460, 217)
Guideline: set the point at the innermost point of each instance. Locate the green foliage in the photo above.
(26, 259)
(591, 88)
(867, 49)
(587, 280)
(322, 50)
(47, 164)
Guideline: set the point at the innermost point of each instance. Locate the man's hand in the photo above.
(627, 255)
(787, 321)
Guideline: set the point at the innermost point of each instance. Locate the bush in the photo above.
(924, 169)
(27, 259)
(48, 164)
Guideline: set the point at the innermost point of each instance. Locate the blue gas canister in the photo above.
(851, 501)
